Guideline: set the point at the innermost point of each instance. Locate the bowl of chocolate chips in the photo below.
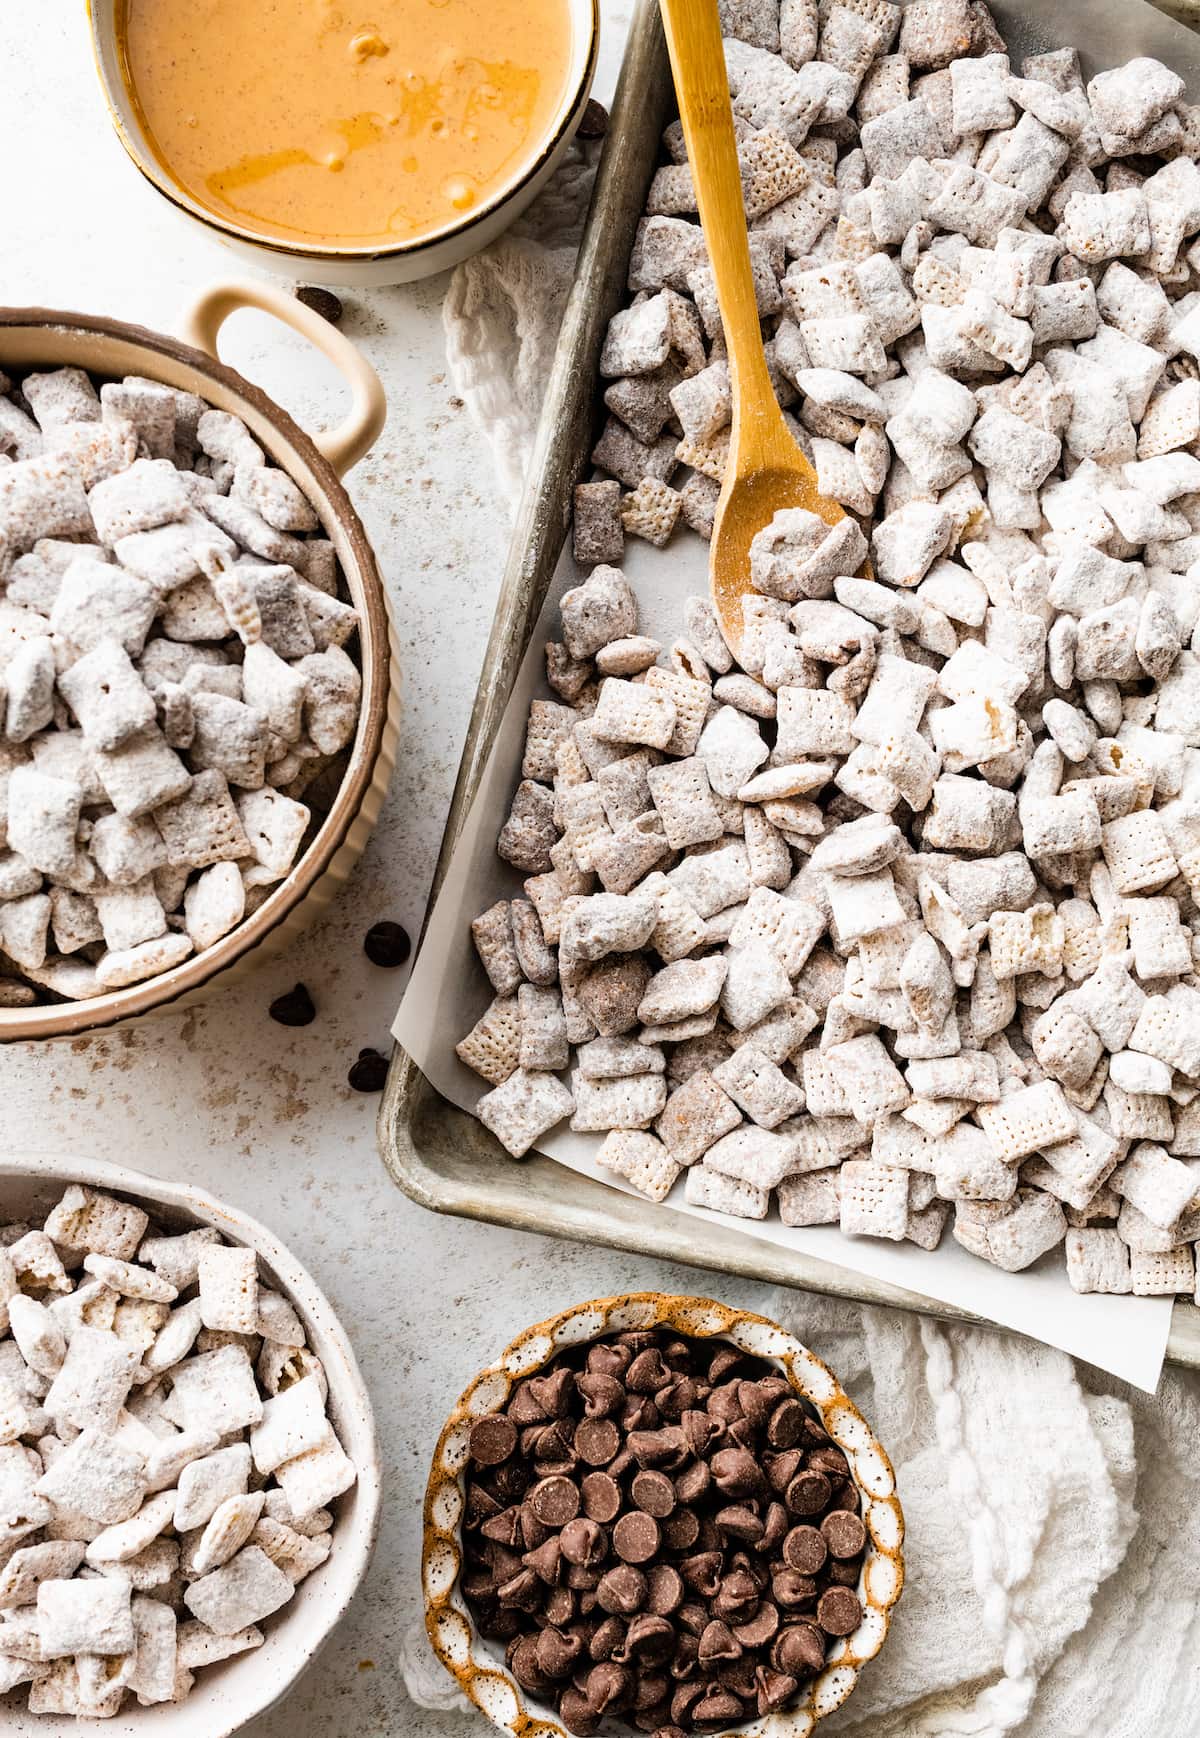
(659, 1514)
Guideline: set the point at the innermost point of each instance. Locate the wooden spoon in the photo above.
(765, 470)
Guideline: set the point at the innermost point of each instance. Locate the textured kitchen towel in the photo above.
(1053, 1515)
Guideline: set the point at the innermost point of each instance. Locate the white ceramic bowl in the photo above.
(228, 1696)
(359, 267)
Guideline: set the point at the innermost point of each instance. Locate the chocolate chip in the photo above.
(321, 301)
(546, 1562)
(555, 1501)
(736, 1472)
(647, 1374)
(651, 1703)
(774, 1690)
(481, 1506)
(692, 1617)
(603, 1395)
(737, 1597)
(622, 1591)
(597, 1440)
(557, 1654)
(369, 1073)
(636, 1537)
(844, 1533)
(583, 1543)
(788, 1588)
(680, 1530)
(560, 1607)
(723, 1403)
(844, 1494)
(693, 1482)
(702, 1572)
(607, 1685)
(295, 1008)
(576, 1714)
(510, 1481)
(524, 1590)
(839, 1611)
(740, 1523)
(553, 1392)
(387, 944)
(593, 123)
(601, 1497)
(786, 1425)
(653, 1492)
(503, 1528)
(583, 1581)
(844, 1574)
(556, 1441)
(739, 1676)
(640, 1413)
(523, 1408)
(609, 1359)
(804, 1550)
(606, 1636)
(685, 1699)
(664, 1448)
(700, 1432)
(492, 1440)
(664, 1590)
(757, 1631)
(524, 1665)
(775, 1525)
(718, 1708)
(829, 1460)
(533, 1531)
(650, 1639)
(808, 1494)
(638, 1339)
(781, 1469)
(759, 1399)
(800, 1650)
(725, 1359)
(718, 1643)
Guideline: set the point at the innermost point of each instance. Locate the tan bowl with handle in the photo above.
(44, 338)
(478, 1665)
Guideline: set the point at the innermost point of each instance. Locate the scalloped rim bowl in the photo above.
(228, 1696)
(483, 1677)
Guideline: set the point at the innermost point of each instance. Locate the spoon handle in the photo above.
(693, 32)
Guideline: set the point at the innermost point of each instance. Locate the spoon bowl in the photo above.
(765, 470)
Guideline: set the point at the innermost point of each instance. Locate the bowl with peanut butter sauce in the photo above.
(348, 141)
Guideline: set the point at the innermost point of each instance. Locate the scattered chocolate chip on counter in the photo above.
(322, 302)
(387, 944)
(369, 1073)
(594, 123)
(661, 1532)
(294, 1008)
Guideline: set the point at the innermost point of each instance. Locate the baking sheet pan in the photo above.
(438, 1154)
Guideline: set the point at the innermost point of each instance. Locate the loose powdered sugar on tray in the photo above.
(448, 992)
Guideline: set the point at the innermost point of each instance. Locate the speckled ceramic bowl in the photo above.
(230, 1695)
(479, 1665)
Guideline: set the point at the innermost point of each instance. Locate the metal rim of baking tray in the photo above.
(441, 1157)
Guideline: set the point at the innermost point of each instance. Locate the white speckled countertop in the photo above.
(261, 1113)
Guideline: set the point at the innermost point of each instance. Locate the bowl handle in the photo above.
(202, 321)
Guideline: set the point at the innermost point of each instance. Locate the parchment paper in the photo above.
(448, 991)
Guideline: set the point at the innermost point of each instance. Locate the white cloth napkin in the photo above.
(1053, 1548)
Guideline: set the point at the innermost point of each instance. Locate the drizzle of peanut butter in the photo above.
(351, 123)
